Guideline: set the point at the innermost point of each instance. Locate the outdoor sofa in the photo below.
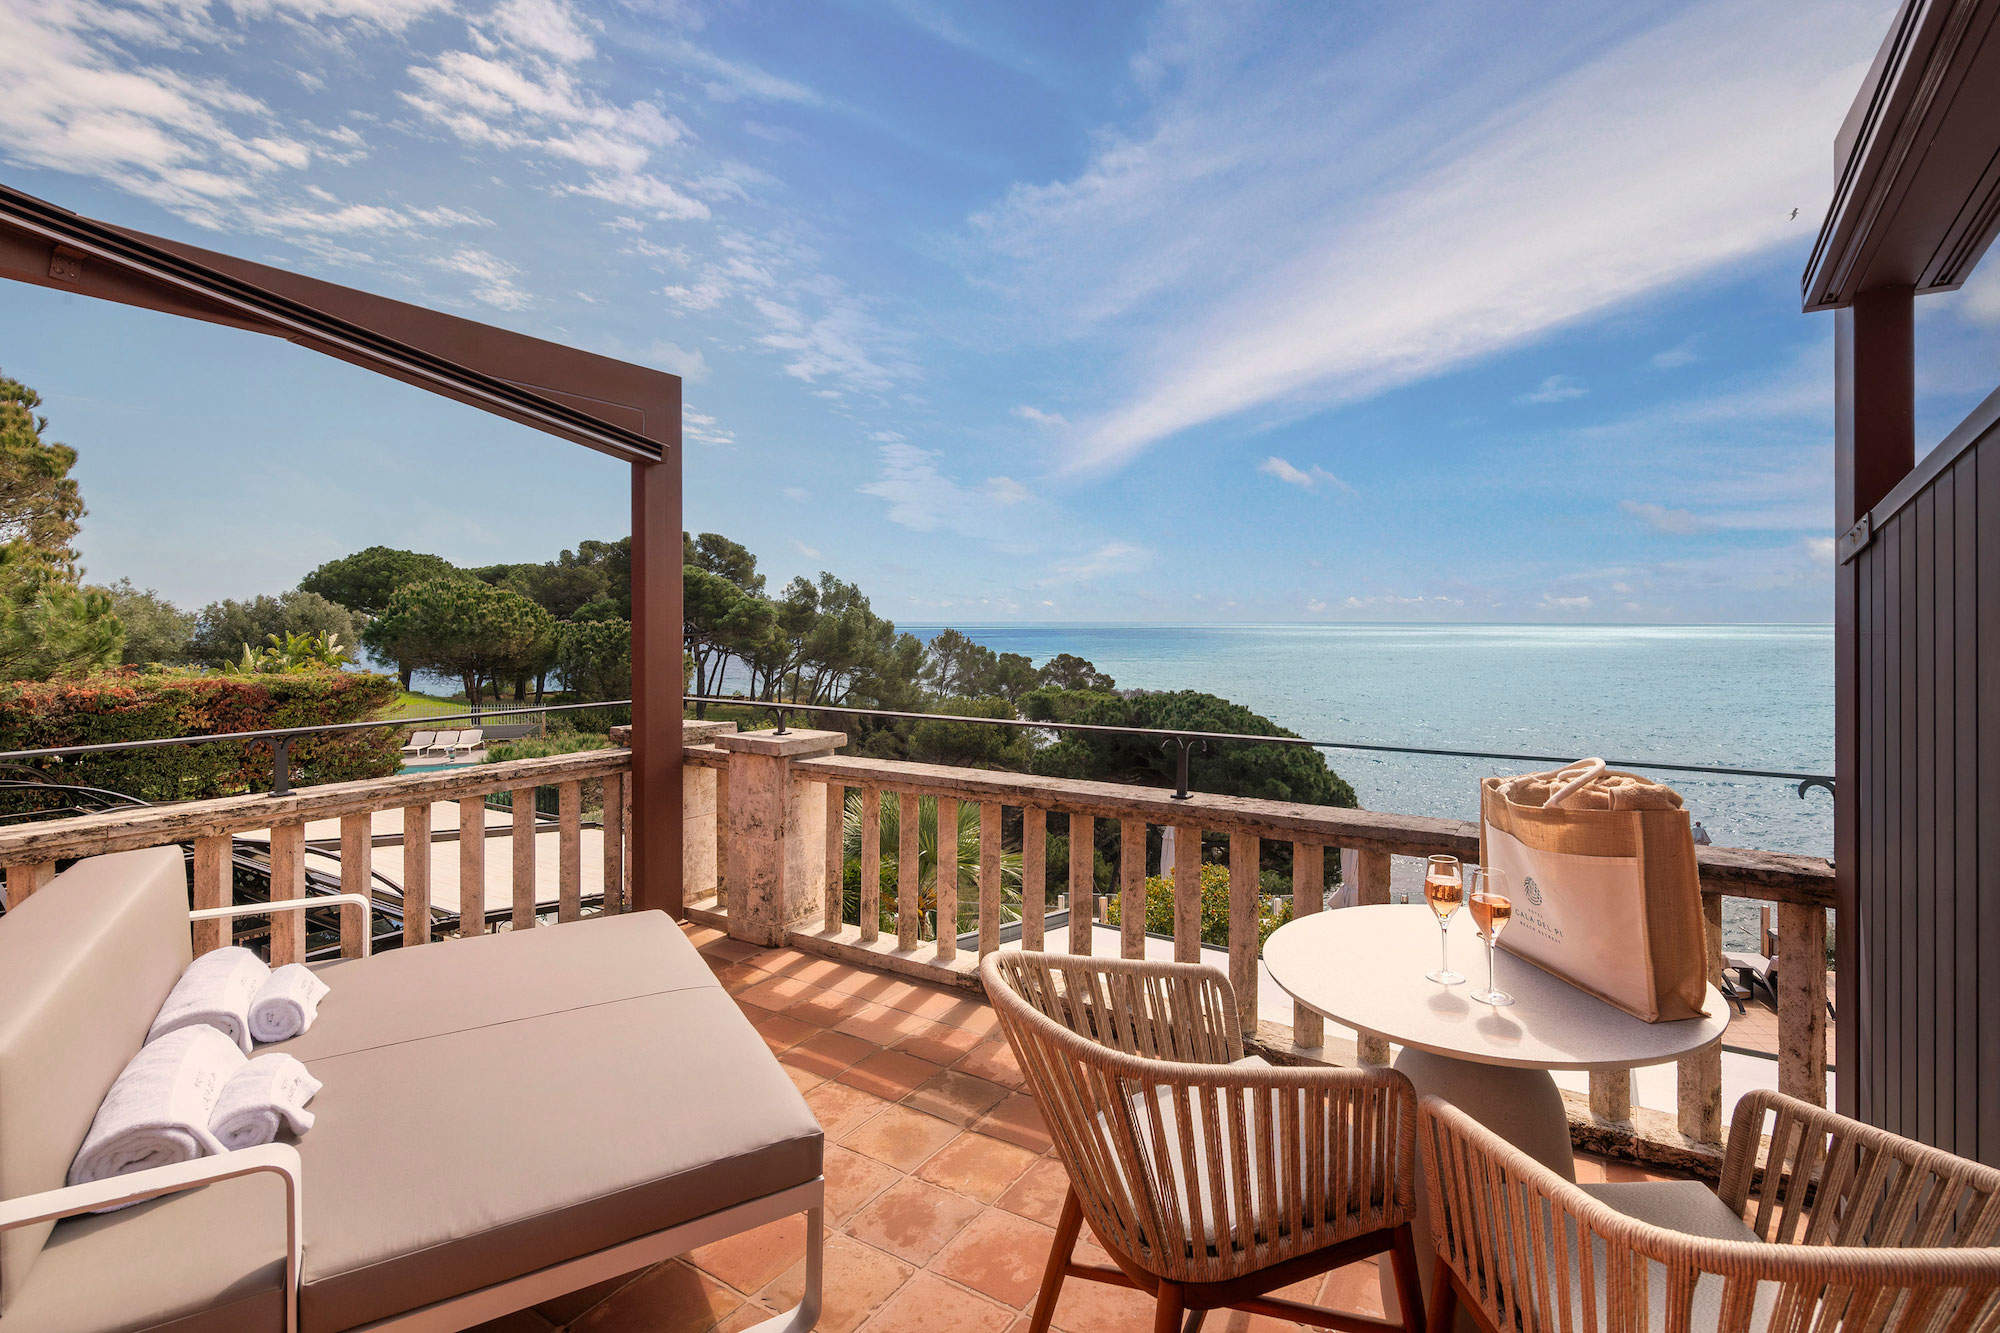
(504, 1119)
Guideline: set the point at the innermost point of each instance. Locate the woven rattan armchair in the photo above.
(1210, 1180)
(1844, 1226)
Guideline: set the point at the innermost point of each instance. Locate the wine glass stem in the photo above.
(1444, 947)
(1492, 984)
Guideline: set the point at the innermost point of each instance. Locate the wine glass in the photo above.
(1491, 910)
(1444, 890)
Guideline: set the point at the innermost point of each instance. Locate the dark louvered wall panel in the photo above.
(1928, 830)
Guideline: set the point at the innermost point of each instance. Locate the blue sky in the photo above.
(1155, 312)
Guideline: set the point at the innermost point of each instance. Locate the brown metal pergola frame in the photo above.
(629, 412)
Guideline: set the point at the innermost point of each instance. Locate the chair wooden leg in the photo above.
(1067, 1227)
(1194, 1318)
(1167, 1314)
(1444, 1299)
(1409, 1291)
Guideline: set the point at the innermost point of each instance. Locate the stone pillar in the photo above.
(776, 833)
(698, 830)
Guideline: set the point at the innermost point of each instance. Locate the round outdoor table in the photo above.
(1364, 967)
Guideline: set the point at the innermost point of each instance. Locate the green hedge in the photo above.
(131, 704)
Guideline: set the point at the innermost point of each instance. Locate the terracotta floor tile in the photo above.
(739, 977)
(779, 1031)
(852, 1180)
(570, 1306)
(1099, 1307)
(978, 1166)
(998, 1255)
(777, 960)
(521, 1321)
(995, 1062)
(1017, 1121)
(776, 993)
(957, 1097)
(829, 1009)
(1598, 1170)
(751, 1260)
(839, 1108)
(668, 1298)
(735, 951)
(889, 1074)
(1038, 1194)
(929, 1304)
(880, 988)
(939, 1043)
(943, 1006)
(899, 1136)
(827, 1052)
(912, 1220)
(881, 1024)
(1356, 1288)
(748, 1315)
(857, 1280)
(802, 1079)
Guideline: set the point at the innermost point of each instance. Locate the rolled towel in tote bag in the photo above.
(1600, 866)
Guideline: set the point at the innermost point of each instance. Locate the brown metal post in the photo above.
(656, 683)
(1874, 448)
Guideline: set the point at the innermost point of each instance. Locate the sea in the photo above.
(1741, 696)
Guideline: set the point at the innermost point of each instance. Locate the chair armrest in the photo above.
(279, 1159)
(292, 905)
(1816, 1153)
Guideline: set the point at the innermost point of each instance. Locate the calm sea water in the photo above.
(1753, 696)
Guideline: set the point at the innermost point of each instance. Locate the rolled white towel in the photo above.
(268, 1094)
(286, 1004)
(216, 990)
(158, 1110)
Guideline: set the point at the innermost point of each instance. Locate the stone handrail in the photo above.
(29, 852)
(793, 893)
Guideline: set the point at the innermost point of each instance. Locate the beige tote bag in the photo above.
(1601, 869)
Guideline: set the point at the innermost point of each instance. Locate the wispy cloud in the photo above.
(1306, 479)
(922, 498)
(1371, 274)
(1038, 417)
(1680, 354)
(1554, 389)
(1104, 561)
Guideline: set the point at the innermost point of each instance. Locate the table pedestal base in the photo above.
(1522, 1106)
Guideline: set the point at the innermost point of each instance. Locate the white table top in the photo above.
(1364, 966)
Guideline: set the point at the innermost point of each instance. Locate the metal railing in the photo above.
(280, 738)
(1187, 740)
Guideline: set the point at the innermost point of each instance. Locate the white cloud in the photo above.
(1107, 560)
(922, 498)
(1819, 549)
(1442, 230)
(1038, 417)
(1554, 389)
(492, 277)
(686, 362)
(809, 552)
(1678, 522)
(1680, 354)
(1569, 603)
(1306, 479)
(797, 494)
(704, 429)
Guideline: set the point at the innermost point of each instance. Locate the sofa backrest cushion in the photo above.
(87, 962)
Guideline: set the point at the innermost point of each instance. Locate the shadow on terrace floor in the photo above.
(941, 1189)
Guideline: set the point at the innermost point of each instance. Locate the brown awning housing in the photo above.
(1917, 182)
(630, 412)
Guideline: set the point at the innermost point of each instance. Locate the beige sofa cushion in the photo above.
(208, 1261)
(409, 994)
(445, 1164)
(87, 962)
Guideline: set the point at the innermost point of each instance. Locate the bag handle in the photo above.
(1587, 771)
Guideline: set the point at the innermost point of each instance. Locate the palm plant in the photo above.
(889, 842)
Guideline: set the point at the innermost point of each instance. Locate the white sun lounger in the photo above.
(442, 742)
(419, 742)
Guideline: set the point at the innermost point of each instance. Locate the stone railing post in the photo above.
(776, 838)
(699, 832)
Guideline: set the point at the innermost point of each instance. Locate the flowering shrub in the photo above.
(131, 704)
